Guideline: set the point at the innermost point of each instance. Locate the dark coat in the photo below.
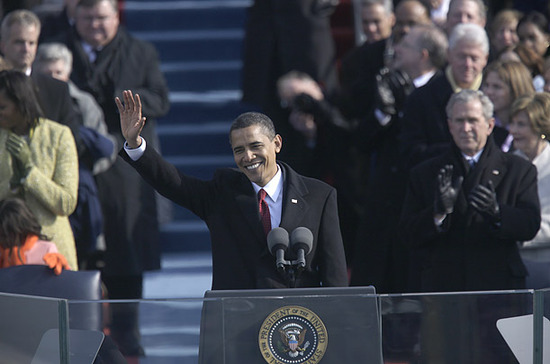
(286, 35)
(358, 78)
(229, 206)
(379, 257)
(424, 132)
(129, 205)
(467, 252)
(56, 102)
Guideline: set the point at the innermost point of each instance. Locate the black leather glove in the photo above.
(446, 192)
(392, 89)
(484, 200)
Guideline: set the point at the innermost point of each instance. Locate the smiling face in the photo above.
(255, 153)
(377, 23)
(467, 60)
(525, 138)
(532, 37)
(468, 126)
(498, 91)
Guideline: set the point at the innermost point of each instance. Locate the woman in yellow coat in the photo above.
(38, 161)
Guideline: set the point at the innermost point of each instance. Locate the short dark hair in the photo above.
(253, 118)
(19, 88)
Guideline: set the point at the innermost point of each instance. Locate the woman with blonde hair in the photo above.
(503, 82)
(530, 126)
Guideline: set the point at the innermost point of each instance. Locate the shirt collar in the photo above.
(475, 85)
(423, 79)
(274, 187)
(475, 157)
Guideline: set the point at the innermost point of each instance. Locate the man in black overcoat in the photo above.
(228, 203)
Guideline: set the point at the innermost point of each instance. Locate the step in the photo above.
(189, 236)
(203, 76)
(208, 139)
(196, 45)
(201, 107)
(178, 15)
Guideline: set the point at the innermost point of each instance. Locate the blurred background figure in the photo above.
(379, 258)
(424, 131)
(98, 154)
(107, 59)
(465, 11)
(503, 32)
(21, 239)
(281, 36)
(533, 32)
(322, 146)
(20, 31)
(503, 82)
(530, 127)
(38, 161)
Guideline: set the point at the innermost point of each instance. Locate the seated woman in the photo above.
(530, 127)
(21, 240)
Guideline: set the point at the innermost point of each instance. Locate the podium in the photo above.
(284, 326)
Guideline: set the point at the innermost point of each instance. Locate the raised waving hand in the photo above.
(131, 121)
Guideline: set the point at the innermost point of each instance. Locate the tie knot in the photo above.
(262, 194)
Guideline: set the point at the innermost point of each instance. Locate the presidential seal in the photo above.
(293, 335)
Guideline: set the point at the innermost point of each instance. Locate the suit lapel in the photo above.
(295, 205)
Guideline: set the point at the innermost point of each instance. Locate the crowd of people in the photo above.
(433, 133)
(389, 115)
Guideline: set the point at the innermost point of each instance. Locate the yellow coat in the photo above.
(51, 187)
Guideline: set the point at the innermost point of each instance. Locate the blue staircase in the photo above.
(200, 46)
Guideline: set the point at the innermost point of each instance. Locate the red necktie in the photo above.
(264, 211)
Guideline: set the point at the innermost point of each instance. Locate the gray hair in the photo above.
(471, 33)
(434, 40)
(22, 16)
(467, 95)
(387, 4)
(480, 5)
(53, 52)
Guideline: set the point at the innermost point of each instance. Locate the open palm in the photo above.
(131, 121)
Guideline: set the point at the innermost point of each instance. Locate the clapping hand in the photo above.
(131, 120)
(446, 192)
(484, 200)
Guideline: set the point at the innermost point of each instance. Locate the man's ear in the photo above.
(278, 140)
(491, 123)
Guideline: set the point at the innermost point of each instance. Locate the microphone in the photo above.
(277, 242)
(301, 241)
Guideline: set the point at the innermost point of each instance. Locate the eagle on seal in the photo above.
(293, 340)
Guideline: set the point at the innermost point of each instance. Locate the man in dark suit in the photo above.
(229, 204)
(379, 258)
(19, 41)
(466, 209)
(464, 212)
